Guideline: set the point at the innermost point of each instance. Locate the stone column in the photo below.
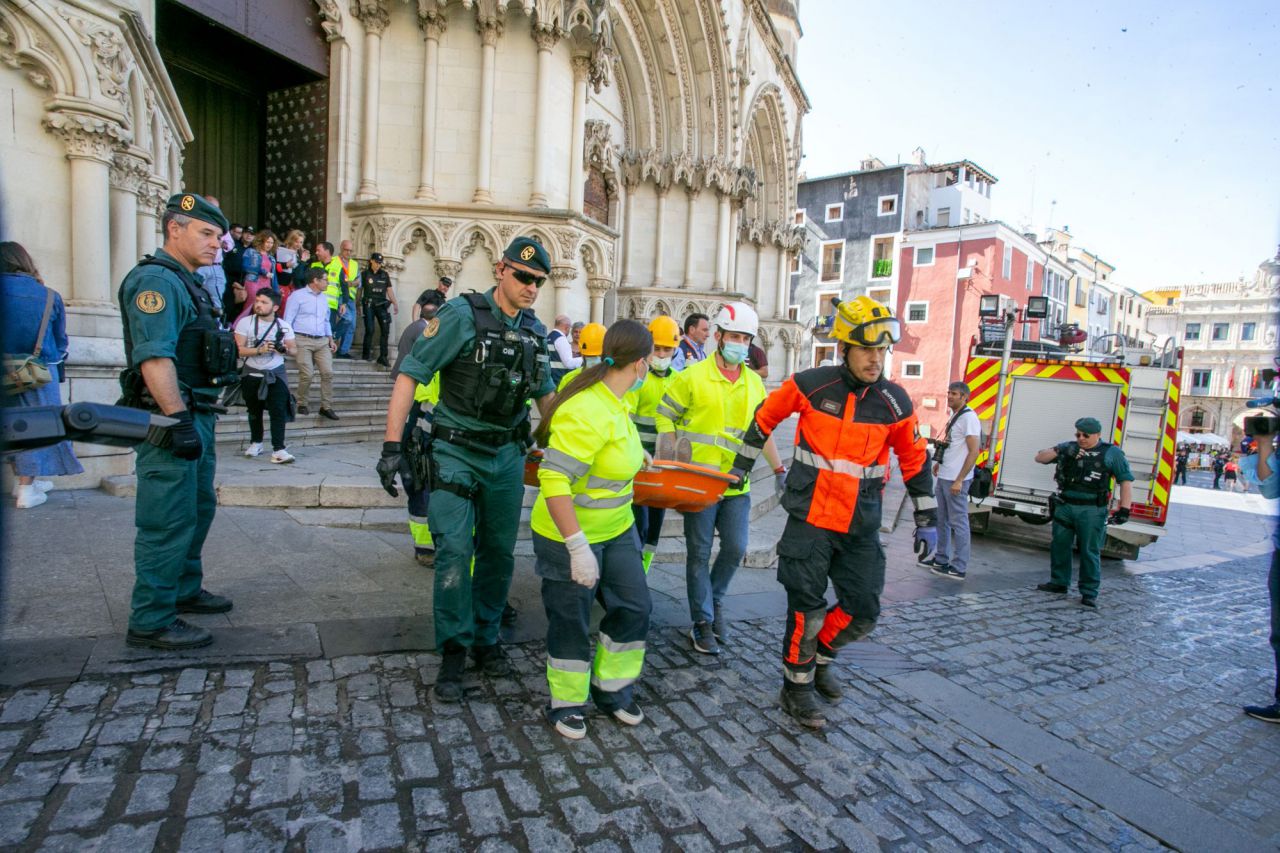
(150, 199)
(781, 281)
(433, 26)
(629, 187)
(722, 243)
(735, 217)
(394, 267)
(127, 174)
(375, 19)
(561, 278)
(447, 268)
(90, 143)
(789, 349)
(490, 30)
(597, 288)
(689, 237)
(760, 279)
(545, 37)
(581, 68)
(659, 226)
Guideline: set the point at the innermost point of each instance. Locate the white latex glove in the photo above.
(582, 562)
(648, 460)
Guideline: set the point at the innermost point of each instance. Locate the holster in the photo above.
(1053, 506)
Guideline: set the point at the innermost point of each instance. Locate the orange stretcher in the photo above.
(682, 486)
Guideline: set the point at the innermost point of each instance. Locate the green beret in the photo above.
(195, 206)
(1089, 426)
(529, 252)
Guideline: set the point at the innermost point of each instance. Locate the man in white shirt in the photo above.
(562, 358)
(307, 313)
(954, 456)
(263, 339)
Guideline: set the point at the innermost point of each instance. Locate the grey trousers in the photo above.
(953, 524)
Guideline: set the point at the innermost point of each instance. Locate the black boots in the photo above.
(802, 704)
(449, 682)
(826, 683)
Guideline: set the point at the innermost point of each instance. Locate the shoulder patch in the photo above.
(149, 302)
(432, 328)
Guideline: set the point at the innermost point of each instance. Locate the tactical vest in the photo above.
(558, 367)
(494, 381)
(1088, 475)
(376, 285)
(206, 355)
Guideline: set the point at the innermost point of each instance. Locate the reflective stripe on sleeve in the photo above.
(839, 466)
(721, 441)
(750, 451)
(594, 482)
(558, 460)
(642, 420)
(671, 405)
(588, 502)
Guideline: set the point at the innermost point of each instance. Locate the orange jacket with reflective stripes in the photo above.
(844, 436)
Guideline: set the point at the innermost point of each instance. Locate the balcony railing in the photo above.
(882, 268)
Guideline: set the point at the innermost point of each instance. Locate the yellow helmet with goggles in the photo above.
(863, 322)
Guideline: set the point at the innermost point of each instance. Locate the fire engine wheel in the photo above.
(1031, 518)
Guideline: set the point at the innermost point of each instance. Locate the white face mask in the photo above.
(661, 363)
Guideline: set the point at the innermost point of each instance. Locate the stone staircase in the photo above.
(361, 390)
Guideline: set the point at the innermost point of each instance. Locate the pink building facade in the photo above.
(943, 272)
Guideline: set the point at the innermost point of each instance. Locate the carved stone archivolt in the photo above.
(109, 58)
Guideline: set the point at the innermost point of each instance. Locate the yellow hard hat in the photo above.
(591, 340)
(665, 331)
(863, 322)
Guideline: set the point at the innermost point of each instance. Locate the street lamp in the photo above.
(989, 305)
(1037, 307)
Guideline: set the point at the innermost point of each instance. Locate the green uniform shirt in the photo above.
(156, 306)
(449, 336)
(1114, 461)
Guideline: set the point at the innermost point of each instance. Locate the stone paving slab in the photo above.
(354, 754)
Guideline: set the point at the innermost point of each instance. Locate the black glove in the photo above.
(184, 441)
(739, 478)
(1120, 516)
(389, 465)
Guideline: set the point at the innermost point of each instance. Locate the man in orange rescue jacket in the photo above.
(850, 417)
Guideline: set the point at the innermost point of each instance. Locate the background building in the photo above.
(651, 147)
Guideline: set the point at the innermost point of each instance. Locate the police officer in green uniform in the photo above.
(1086, 468)
(177, 361)
(491, 353)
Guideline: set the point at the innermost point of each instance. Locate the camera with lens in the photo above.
(940, 450)
(279, 342)
(1268, 424)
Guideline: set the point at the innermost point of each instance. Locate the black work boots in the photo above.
(802, 704)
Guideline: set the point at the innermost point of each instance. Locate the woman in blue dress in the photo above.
(23, 297)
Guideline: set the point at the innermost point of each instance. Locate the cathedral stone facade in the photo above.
(651, 145)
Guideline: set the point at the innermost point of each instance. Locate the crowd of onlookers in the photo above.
(1222, 461)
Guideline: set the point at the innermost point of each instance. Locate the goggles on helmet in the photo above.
(875, 333)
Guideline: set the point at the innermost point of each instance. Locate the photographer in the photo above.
(953, 458)
(263, 338)
(1263, 468)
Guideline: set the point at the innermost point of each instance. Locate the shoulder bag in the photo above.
(27, 372)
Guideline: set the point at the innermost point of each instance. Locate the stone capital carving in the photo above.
(432, 23)
(373, 14)
(129, 173)
(446, 267)
(562, 276)
(490, 30)
(598, 286)
(394, 266)
(85, 136)
(568, 240)
(110, 59)
(546, 37)
(581, 68)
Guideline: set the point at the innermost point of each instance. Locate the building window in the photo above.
(1006, 269)
(823, 352)
(879, 294)
(882, 257)
(1080, 295)
(1197, 419)
(912, 369)
(924, 256)
(799, 216)
(1220, 331)
(944, 217)
(835, 212)
(1200, 381)
(1248, 331)
(1193, 331)
(793, 312)
(1031, 275)
(795, 264)
(917, 312)
(888, 205)
(832, 261)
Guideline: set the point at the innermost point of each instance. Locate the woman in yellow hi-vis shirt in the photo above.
(584, 537)
(643, 405)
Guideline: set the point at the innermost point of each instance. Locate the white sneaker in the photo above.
(282, 457)
(30, 496)
(38, 485)
(253, 450)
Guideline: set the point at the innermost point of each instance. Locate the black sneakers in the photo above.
(574, 727)
(509, 615)
(178, 636)
(704, 639)
(802, 705)
(1266, 713)
(205, 602)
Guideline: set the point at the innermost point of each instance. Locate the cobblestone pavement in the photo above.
(351, 753)
(1153, 681)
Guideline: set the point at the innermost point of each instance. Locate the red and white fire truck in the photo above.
(1045, 389)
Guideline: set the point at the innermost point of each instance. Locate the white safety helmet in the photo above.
(738, 317)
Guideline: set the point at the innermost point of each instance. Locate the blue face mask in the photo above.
(639, 383)
(733, 353)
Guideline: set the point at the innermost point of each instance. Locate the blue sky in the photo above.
(1155, 126)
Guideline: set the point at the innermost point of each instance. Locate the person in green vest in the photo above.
(337, 290)
(491, 354)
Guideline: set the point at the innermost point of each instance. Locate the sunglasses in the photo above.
(1083, 434)
(527, 278)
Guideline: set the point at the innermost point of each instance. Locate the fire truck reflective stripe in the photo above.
(1168, 447)
(839, 466)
